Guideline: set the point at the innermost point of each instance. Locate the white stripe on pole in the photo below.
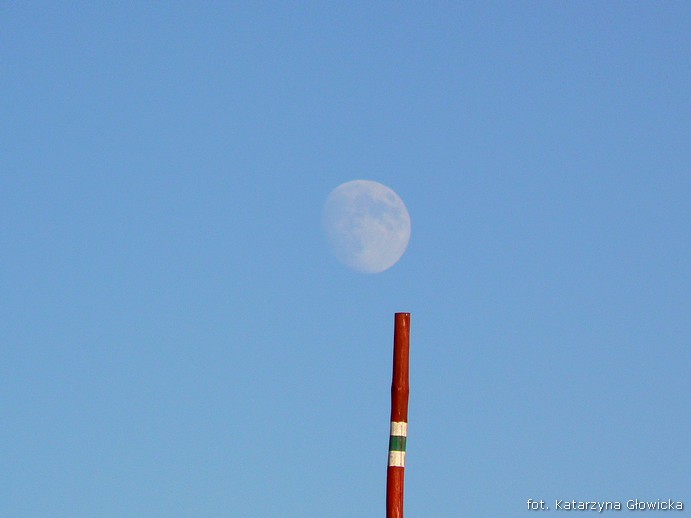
(399, 428)
(397, 459)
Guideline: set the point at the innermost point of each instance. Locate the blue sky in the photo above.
(177, 340)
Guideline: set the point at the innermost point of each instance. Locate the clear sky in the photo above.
(176, 339)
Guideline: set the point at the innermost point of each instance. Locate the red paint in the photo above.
(400, 390)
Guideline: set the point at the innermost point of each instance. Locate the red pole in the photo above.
(400, 389)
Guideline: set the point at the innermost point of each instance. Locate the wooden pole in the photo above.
(400, 390)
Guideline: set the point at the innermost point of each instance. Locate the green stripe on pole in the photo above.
(397, 443)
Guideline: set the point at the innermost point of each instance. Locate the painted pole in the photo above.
(400, 390)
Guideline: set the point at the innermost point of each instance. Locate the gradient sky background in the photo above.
(176, 339)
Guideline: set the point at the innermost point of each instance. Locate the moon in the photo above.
(367, 225)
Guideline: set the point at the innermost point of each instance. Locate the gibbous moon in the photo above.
(367, 225)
